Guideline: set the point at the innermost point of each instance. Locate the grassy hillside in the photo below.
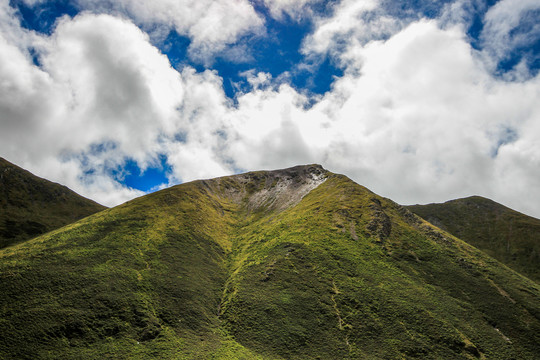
(292, 264)
(30, 206)
(507, 235)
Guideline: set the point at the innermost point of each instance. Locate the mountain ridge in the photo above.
(280, 188)
(231, 268)
(31, 205)
(506, 234)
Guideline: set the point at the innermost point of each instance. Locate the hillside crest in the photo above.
(271, 190)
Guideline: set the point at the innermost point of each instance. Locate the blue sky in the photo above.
(420, 101)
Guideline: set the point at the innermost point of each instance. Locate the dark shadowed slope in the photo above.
(291, 264)
(30, 206)
(507, 235)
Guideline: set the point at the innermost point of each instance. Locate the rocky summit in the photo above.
(299, 263)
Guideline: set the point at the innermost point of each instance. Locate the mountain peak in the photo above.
(270, 190)
(298, 263)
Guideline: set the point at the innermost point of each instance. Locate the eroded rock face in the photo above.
(380, 224)
(285, 188)
(272, 190)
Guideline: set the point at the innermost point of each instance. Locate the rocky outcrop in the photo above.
(380, 225)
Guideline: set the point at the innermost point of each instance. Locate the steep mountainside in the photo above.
(30, 206)
(291, 264)
(507, 235)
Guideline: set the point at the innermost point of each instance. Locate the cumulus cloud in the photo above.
(509, 25)
(427, 113)
(295, 9)
(102, 93)
(211, 25)
(267, 128)
(460, 12)
(198, 150)
(417, 116)
(352, 22)
(100, 82)
(424, 120)
(25, 90)
(120, 87)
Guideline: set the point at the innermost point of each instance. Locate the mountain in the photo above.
(507, 235)
(30, 206)
(298, 263)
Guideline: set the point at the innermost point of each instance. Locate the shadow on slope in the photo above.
(31, 206)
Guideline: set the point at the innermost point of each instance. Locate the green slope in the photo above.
(30, 206)
(507, 235)
(292, 264)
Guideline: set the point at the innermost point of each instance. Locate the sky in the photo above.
(420, 101)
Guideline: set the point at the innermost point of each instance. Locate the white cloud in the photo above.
(101, 94)
(100, 82)
(26, 92)
(257, 80)
(352, 22)
(268, 129)
(203, 126)
(423, 121)
(211, 25)
(417, 115)
(99, 187)
(33, 2)
(295, 9)
(499, 36)
(119, 86)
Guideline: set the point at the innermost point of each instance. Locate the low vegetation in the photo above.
(31, 206)
(238, 268)
(507, 235)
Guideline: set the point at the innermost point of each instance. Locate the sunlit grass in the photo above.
(191, 273)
